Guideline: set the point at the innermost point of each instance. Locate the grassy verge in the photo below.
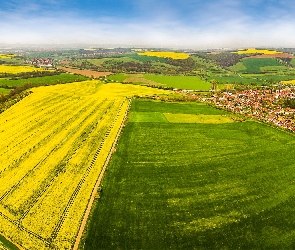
(6, 245)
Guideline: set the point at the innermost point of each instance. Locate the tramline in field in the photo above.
(53, 145)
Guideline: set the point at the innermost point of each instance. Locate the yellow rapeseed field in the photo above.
(53, 145)
(289, 82)
(11, 69)
(7, 55)
(174, 55)
(258, 51)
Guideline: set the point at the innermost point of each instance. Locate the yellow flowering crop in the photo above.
(12, 69)
(53, 145)
(289, 82)
(258, 51)
(174, 55)
(4, 56)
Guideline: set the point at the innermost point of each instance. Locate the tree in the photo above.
(214, 85)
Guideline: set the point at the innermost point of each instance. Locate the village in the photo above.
(265, 105)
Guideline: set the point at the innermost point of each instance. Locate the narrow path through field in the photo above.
(94, 192)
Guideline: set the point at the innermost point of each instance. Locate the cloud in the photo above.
(187, 23)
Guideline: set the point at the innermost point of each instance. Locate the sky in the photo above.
(195, 24)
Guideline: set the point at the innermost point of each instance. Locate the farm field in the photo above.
(53, 145)
(4, 91)
(11, 69)
(258, 65)
(165, 54)
(236, 79)
(99, 62)
(84, 72)
(5, 56)
(10, 59)
(289, 82)
(258, 51)
(48, 80)
(254, 79)
(217, 185)
(147, 58)
(180, 82)
(118, 77)
(271, 77)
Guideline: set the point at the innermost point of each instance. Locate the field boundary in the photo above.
(13, 243)
(97, 184)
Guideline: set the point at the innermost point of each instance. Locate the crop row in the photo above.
(29, 183)
(66, 182)
(18, 163)
(86, 183)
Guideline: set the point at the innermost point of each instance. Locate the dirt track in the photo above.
(94, 192)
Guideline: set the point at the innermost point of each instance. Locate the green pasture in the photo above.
(118, 77)
(147, 58)
(196, 185)
(238, 67)
(256, 79)
(192, 118)
(180, 82)
(44, 80)
(257, 65)
(99, 62)
(174, 108)
(147, 117)
(12, 60)
(4, 91)
(163, 66)
(271, 77)
(274, 68)
(236, 79)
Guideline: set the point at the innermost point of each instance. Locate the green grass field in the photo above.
(99, 62)
(12, 60)
(118, 77)
(238, 67)
(271, 77)
(196, 186)
(235, 79)
(180, 82)
(147, 58)
(257, 65)
(4, 91)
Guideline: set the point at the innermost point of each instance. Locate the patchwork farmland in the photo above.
(182, 175)
(53, 146)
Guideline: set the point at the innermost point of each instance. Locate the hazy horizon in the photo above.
(149, 23)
